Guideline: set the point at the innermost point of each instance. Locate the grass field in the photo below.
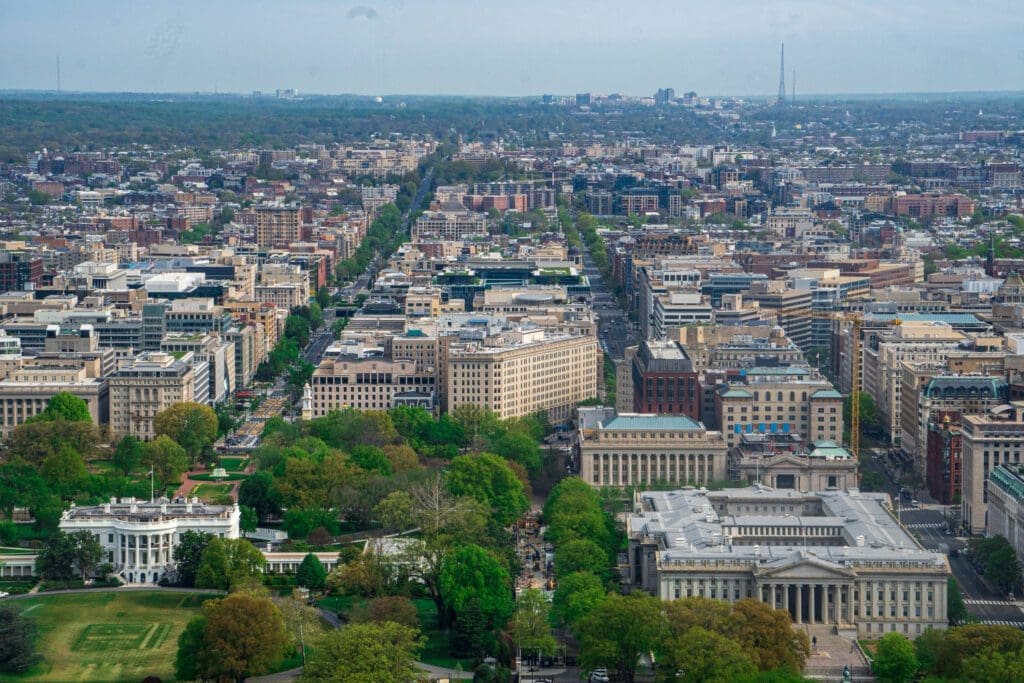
(110, 636)
(208, 491)
(234, 464)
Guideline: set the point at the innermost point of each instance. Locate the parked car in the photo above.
(599, 676)
(3, 594)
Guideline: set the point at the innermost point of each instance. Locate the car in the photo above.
(599, 676)
(915, 504)
(4, 594)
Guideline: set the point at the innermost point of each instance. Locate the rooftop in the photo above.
(638, 422)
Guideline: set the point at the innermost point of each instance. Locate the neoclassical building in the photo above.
(834, 557)
(139, 537)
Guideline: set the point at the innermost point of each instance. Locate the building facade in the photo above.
(148, 384)
(831, 557)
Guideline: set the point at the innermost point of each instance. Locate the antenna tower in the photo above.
(58, 76)
(782, 76)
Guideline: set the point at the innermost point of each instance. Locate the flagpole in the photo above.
(151, 497)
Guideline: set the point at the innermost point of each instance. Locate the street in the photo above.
(614, 326)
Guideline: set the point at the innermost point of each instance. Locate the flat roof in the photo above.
(627, 422)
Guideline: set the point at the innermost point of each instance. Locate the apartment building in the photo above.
(449, 225)
(642, 449)
(283, 295)
(277, 226)
(523, 372)
(146, 385)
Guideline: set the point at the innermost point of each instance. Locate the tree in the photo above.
(995, 667)
(301, 620)
(488, 479)
(368, 575)
(956, 610)
(166, 457)
(87, 552)
(581, 555)
(57, 558)
(66, 406)
(34, 441)
(228, 418)
(365, 653)
(248, 520)
(518, 447)
(228, 561)
(17, 640)
(963, 642)
(619, 630)
(472, 573)
(258, 492)
(244, 636)
(702, 656)
(576, 596)
(187, 665)
(767, 636)
(311, 573)
(470, 637)
(530, 627)
(395, 608)
(188, 555)
(128, 454)
(926, 647)
(64, 470)
(895, 659)
(192, 425)
(698, 612)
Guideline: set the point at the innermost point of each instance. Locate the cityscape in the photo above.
(559, 386)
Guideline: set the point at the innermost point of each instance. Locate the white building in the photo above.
(139, 537)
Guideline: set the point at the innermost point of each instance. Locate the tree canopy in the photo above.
(365, 653)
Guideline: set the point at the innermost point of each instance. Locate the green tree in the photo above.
(258, 492)
(488, 479)
(17, 640)
(64, 470)
(530, 626)
(166, 457)
(698, 612)
(34, 441)
(963, 642)
(995, 667)
(188, 554)
(518, 447)
(226, 562)
(619, 630)
(956, 610)
(895, 659)
(247, 521)
(581, 555)
(311, 573)
(187, 664)
(702, 656)
(576, 596)
(38, 198)
(365, 653)
(128, 454)
(470, 637)
(192, 425)
(926, 647)
(87, 552)
(228, 418)
(472, 573)
(66, 406)
(244, 636)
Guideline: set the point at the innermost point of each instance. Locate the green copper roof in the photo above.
(652, 423)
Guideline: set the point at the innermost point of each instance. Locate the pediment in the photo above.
(808, 568)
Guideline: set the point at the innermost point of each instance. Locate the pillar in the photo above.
(812, 617)
(785, 598)
(839, 604)
(800, 603)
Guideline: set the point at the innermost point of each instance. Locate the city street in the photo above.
(614, 326)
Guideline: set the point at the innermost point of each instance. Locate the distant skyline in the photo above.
(512, 48)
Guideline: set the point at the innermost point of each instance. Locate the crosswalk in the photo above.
(999, 603)
(1003, 622)
(926, 525)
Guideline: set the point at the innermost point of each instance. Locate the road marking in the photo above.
(1003, 622)
(926, 525)
(1003, 603)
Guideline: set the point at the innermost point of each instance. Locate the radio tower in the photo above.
(781, 102)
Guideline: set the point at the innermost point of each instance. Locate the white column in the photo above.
(799, 603)
(785, 598)
(813, 601)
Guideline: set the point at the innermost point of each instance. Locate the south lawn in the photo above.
(108, 636)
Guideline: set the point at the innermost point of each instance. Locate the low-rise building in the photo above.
(632, 449)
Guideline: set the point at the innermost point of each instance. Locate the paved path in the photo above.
(161, 589)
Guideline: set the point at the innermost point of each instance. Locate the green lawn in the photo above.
(212, 492)
(109, 636)
(234, 464)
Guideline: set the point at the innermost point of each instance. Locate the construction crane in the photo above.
(855, 320)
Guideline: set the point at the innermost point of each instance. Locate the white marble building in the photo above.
(139, 537)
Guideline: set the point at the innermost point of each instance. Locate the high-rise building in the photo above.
(277, 226)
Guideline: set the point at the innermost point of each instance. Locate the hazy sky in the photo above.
(512, 47)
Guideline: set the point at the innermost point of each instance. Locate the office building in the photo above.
(996, 438)
(146, 385)
(830, 557)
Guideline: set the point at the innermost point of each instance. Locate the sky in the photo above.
(512, 47)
